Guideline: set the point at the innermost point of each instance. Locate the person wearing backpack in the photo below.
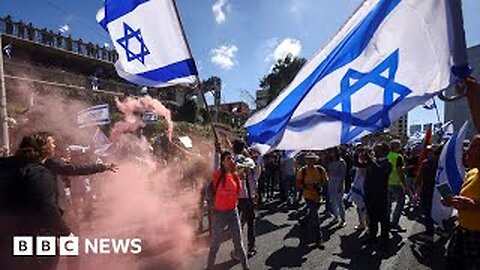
(310, 179)
(226, 189)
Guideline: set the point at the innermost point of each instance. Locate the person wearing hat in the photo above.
(310, 179)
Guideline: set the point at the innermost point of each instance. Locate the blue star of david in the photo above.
(129, 33)
(353, 126)
(440, 170)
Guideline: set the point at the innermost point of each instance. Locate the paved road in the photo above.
(282, 244)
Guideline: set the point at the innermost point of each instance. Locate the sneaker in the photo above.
(360, 227)
(234, 256)
(252, 252)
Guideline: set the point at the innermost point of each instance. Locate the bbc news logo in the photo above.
(70, 246)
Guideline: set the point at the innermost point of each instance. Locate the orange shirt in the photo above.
(226, 195)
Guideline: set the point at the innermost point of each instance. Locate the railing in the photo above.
(56, 40)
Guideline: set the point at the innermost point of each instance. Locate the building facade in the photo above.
(415, 129)
(261, 99)
(400, 127)
(458, 111)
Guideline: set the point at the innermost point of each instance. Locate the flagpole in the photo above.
(197, 77)
(3, 103)
(436, 110)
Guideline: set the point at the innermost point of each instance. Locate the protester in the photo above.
(310, 179)
(226, 186)
(288, 179)
(357, 190)
(397, 185)
(376, 198)
(245, 169)
(337, 171)
(270, 175)
(463, 251)
(345, 154)
(411, 161)
(29, 201)
(427, 176)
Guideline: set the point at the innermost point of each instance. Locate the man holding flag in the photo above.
(464, 247)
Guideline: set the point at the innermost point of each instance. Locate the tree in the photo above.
(283, 72)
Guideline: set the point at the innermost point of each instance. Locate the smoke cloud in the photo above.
(143, 199)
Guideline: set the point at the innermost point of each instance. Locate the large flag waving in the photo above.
(450, 174)
(390, 57)
(149, 39)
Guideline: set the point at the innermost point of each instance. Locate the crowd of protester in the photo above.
(384, 181)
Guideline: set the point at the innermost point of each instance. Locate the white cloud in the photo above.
(219, 9)
(224, 56)
(297, 7)
(64, 28)
(287, 46)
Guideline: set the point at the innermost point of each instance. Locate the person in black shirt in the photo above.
(29, 206)
(426, 179)
(376, 193)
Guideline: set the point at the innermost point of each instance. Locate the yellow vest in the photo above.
(394, 179)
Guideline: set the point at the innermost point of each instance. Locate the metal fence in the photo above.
(56, 39)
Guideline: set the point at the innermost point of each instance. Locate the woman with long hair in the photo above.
(226, 188)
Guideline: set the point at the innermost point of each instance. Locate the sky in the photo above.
(236, 40)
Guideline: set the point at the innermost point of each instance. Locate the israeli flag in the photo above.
(447, 129)
(101, 143)
(391, 56)
(450, 174)
(149, 39)
(150, 118)
(94, 116)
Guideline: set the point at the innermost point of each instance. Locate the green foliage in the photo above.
(283, 72)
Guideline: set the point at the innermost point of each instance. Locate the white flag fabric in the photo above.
(447, 129)
(357, 191)
(94, 116)
(148, 37)
(450, 174)
(390, 57)
(149, 118)
(101, 143)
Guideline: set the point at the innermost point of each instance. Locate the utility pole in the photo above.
(3, 103)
